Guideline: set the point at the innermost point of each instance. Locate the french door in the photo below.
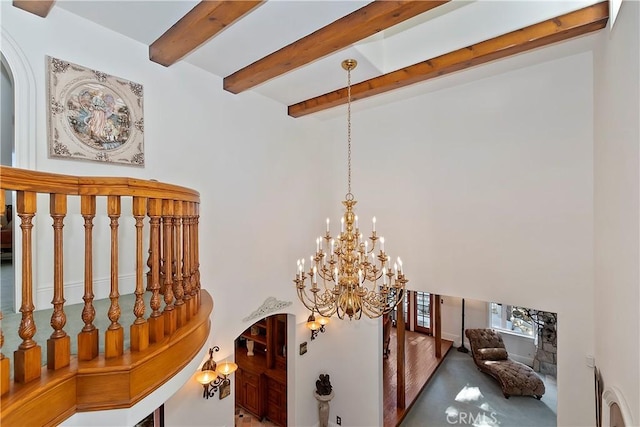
(422, 313)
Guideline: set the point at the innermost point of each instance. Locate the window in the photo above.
(511, 318)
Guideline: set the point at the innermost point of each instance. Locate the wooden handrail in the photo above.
(174, 313)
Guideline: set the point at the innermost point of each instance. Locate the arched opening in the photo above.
(24, 138)
(7, 224)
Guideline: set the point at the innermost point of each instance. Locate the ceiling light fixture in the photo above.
(352, 277)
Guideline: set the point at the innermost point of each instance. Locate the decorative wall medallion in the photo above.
(93, 115)
(268, 306)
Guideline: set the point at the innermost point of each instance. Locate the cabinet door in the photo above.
(252, 393)
(240, 391)
(276, 402)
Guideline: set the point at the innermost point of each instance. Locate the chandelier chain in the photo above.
(349, 194)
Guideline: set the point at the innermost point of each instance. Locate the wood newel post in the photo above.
(400, 356)
(170, 321)
(88, 338)
(59, 344)
(114, 335)
(156, 320)
(178, 289)
(27, 358)
(139, 330)
(186, 263)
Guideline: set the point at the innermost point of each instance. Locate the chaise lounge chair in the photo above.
(491, 357)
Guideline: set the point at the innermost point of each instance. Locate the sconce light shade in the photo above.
(312, 324)
(206, 377)
(322, 321)
(226, 368)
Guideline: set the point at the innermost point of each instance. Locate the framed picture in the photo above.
(93, 115)
(225, 389)
(303, 348)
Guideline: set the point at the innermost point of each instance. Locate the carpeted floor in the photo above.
(460, 394)
(6, 286)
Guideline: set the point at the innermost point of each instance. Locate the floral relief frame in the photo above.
(94, 116)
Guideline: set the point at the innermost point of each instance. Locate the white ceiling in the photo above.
(278, 23)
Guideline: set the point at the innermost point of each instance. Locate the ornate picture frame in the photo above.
(93, 116)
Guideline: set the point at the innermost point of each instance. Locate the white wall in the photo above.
(617, 174)
(6, 117)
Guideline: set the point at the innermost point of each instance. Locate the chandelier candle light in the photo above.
(347, 275)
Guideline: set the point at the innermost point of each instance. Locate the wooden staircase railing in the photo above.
(160, 345)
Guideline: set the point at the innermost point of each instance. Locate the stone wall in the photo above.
(546, 358)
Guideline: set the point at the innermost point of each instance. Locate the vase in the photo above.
(323, 407)
(250, 345)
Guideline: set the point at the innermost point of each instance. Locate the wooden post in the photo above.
(186, 265)
(437, 320)
(178, 287)
(114, 335)
(156, 321)
(27, 358)
(139, 330)
(59, 344)
(88, 338)
(5, 364)
(196, 251)
(401, 374)
(170, 320)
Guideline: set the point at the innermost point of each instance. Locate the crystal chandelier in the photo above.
(347, 275)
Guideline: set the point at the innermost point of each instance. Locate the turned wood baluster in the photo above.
(88, 338)
(156, 320)
(170, 320)
(149, 264)
(192, 266)
(139, 336)
(114, 335)
(59, 344)
(186, 264)
(178, 289)
(5, 364)
(197, 252)
(28, 356)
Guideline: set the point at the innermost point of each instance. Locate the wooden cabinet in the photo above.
(261, 385)
(276, 401)
(248, 391)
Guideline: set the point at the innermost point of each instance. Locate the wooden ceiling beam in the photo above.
(37, 7)
(551, 31)
(364, 22)
(205, 20)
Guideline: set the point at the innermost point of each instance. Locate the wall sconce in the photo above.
(316, 325)
(213, 377)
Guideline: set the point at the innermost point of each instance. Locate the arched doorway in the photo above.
(23, 143)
